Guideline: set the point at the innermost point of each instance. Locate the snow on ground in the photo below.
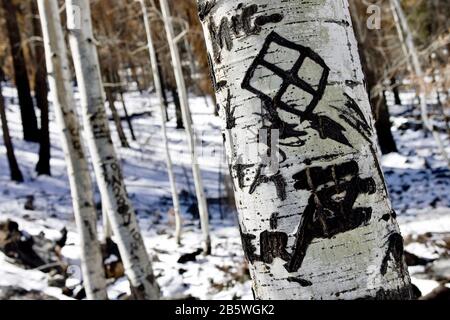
(221, 275)
(417, 178)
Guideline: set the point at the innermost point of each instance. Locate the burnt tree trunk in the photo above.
(16, 174)
(163, 89)
(41, 92)
(127, 116)
(29, 120)
(396, 91)
(120, 90)
(178, 114)
(383, 124)
(110, 96)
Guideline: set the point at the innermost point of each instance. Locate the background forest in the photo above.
(405, 58)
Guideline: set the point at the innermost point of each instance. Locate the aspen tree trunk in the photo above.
(16, 174)
(77, 166)
(119, 208)
(159, 93)
(413, 57)
(27, 113)
(314, 213)
(107, 232)
(201, 199)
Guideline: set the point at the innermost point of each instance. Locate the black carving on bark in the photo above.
(302, 282)
(229, 113)
(204, 8)
(274, 220)
(394, 250)
(325, 126)
(237, 24)
(277, 179)
(330, 208)
(240, 168)
(273, 245)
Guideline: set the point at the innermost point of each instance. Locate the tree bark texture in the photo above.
(77, 166)
(108, 171)
(315, 217)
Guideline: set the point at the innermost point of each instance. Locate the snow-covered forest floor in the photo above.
(418, 180)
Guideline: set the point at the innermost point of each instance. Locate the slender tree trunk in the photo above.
(127, 116)
(401, 38)
(177, 105)
(107, 231)
(396, 91)
(201, 199)
(41, 91)
(16, 174)
(120, 90)
(77, 165)
(158, 87)
(122, 217)
(117, 121)
(314, 213)
(383, 124)
(378, 101)
(163, 91)
(413, 57)
(29, 120)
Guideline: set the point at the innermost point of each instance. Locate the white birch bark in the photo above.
(77, 165)
(201, 199)
(158, 87)
(107, 232)
(119, 208)
(315, 217)
(413, 59)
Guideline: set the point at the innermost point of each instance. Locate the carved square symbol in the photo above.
(281, 56)
(311, 72)
(265, 81)
(296, 97)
